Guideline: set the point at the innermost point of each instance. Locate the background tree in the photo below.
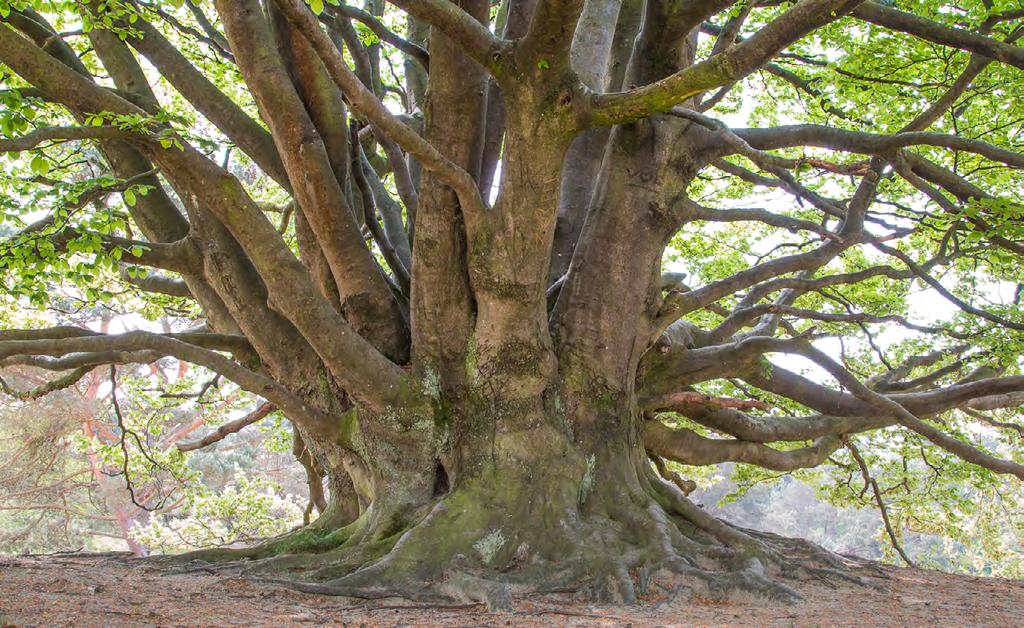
(98, 466)
(448, 273)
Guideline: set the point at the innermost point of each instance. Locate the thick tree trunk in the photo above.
(477, 423)
(526, 469)
(561, 497)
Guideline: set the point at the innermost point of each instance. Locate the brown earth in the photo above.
(111, 590)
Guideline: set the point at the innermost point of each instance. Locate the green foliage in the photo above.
(64, 482)
(246, 510)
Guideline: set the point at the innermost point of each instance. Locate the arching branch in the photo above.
(907, 419)
(478, 42)
(878, 13)
(296, 408)
(687, 447)
(721, 69)
(208, 189)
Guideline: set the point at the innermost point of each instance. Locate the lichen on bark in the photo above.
(482, 378)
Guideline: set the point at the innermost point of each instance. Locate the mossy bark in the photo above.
(545, 507)
(516, 461)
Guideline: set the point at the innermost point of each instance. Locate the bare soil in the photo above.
(112, 590)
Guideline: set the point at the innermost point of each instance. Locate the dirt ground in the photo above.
(111, 590)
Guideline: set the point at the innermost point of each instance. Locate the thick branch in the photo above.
(159, 284)
(478, 42)
(721, 69)
(367, 104)
(293, 406)
(687, 447)
(908, 420)
(315, 179)
(89, 359)
(209, 101)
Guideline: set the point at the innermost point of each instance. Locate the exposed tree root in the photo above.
(614, 552)
(321, 536)
(792, 558)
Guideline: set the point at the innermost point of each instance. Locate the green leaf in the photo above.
(317, 6)
(40, 165)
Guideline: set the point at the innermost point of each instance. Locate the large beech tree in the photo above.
(432, 233)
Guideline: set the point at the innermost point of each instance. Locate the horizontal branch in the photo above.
(922, 274)
(699, 212)
(159, 284)
(461, 27)
(743, 316)
(871, 143)
(850, 415)
(60, 383)
(294, 407)
(907, 419)
(806, 284)
(775, 428)
(202, 339)
(705, 295)
(89, 359)
(850, 233)
(687, 447)
(670, 400)
(995, 402)
(179, 256)
(57, 134)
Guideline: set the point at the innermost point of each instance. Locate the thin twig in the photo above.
(870, 481)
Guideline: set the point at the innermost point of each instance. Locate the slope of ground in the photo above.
(111, 590)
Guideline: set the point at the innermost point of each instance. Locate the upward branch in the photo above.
(209, 190)
(367, 104)
(208, 100)
(720, 69)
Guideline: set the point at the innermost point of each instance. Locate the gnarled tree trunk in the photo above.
(480, 382)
